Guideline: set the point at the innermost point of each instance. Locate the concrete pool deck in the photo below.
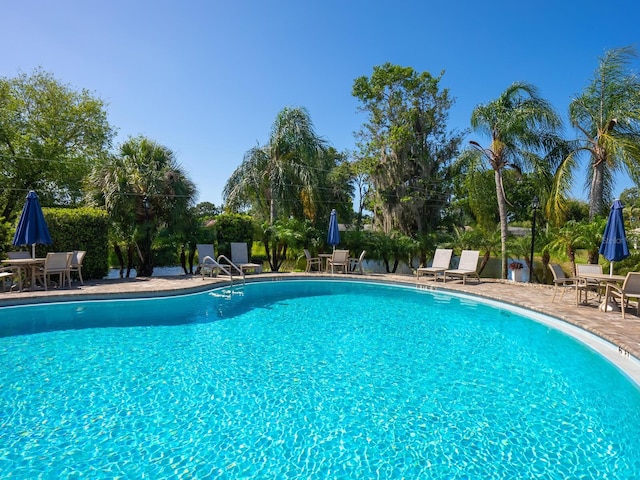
(607, 325)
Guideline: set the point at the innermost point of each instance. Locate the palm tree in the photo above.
(607, 117)
(144, 189)
(279, 177)
(522, 127)
(566, 241)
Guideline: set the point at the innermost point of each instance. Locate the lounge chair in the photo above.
(441, 261)
(356, 263)
(56, 263)
(77, 258)
(562, 282)
(312, 262)
(240, 257)
(208, 263)
(467, 266)
(630, 289)
(339, 259)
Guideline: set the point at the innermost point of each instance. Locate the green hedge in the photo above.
(79, 229)
(233, 227)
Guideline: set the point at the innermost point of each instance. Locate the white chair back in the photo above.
(587, 268)
(442, 258)
(19, 255)
(239, 252)
(205, 250)
(469, 260)
(556, 270)
(340, 256)
(77, 257)
(57, 261)
(631, 285)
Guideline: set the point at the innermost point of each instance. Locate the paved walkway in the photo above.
(609, 326)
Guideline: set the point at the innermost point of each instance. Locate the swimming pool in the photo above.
(317, 379)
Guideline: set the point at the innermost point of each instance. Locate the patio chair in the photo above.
(240, 257)
(56, 263)
(630, 289)
(77, 258)
(6, 274)
(562, 282)
(467, 266)
(339, 259)
(356, 263)
(441, 261)
(17, 255)
(312, 262)
(588, 284)
(208, 263)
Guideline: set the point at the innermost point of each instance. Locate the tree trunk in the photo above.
(571, 253)
(597, 190)
(192, 255)
(130, 257)
(145, 269)
(183, 260)
(502, 209)
(546, 258)
(485, 260)
(118, 252)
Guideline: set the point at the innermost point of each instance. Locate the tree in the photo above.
(405, 149)
(50, 136)
(144, 189)
(607, 118)
(567, 240)
(522, 127)
(278, 179)
(206, 210)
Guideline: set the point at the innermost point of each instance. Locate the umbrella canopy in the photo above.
(614, 240)
(32, 227)
(333, 237)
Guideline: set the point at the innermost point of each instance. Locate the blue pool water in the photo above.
(306, 380)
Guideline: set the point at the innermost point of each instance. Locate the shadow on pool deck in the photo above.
(609, 326)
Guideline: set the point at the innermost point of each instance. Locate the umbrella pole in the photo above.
(611, 269)
(33, 250)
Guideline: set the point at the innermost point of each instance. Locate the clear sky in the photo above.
(207, 78)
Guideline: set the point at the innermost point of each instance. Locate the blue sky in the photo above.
(207, 78)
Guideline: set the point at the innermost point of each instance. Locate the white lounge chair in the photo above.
(312, 262)
(209, 264)
(339, 259)
(467, 266)
(441, 261)
(240, 257)
(630, 289)
(356, 263)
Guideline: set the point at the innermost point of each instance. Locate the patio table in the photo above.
(23, 265)
(603, 279)
(324, 257)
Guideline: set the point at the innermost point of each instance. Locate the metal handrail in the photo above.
(230, 264)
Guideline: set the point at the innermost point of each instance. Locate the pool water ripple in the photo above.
(320, 380)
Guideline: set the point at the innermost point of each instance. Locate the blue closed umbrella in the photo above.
(333, 238)
(32, 227)
(614, 240)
